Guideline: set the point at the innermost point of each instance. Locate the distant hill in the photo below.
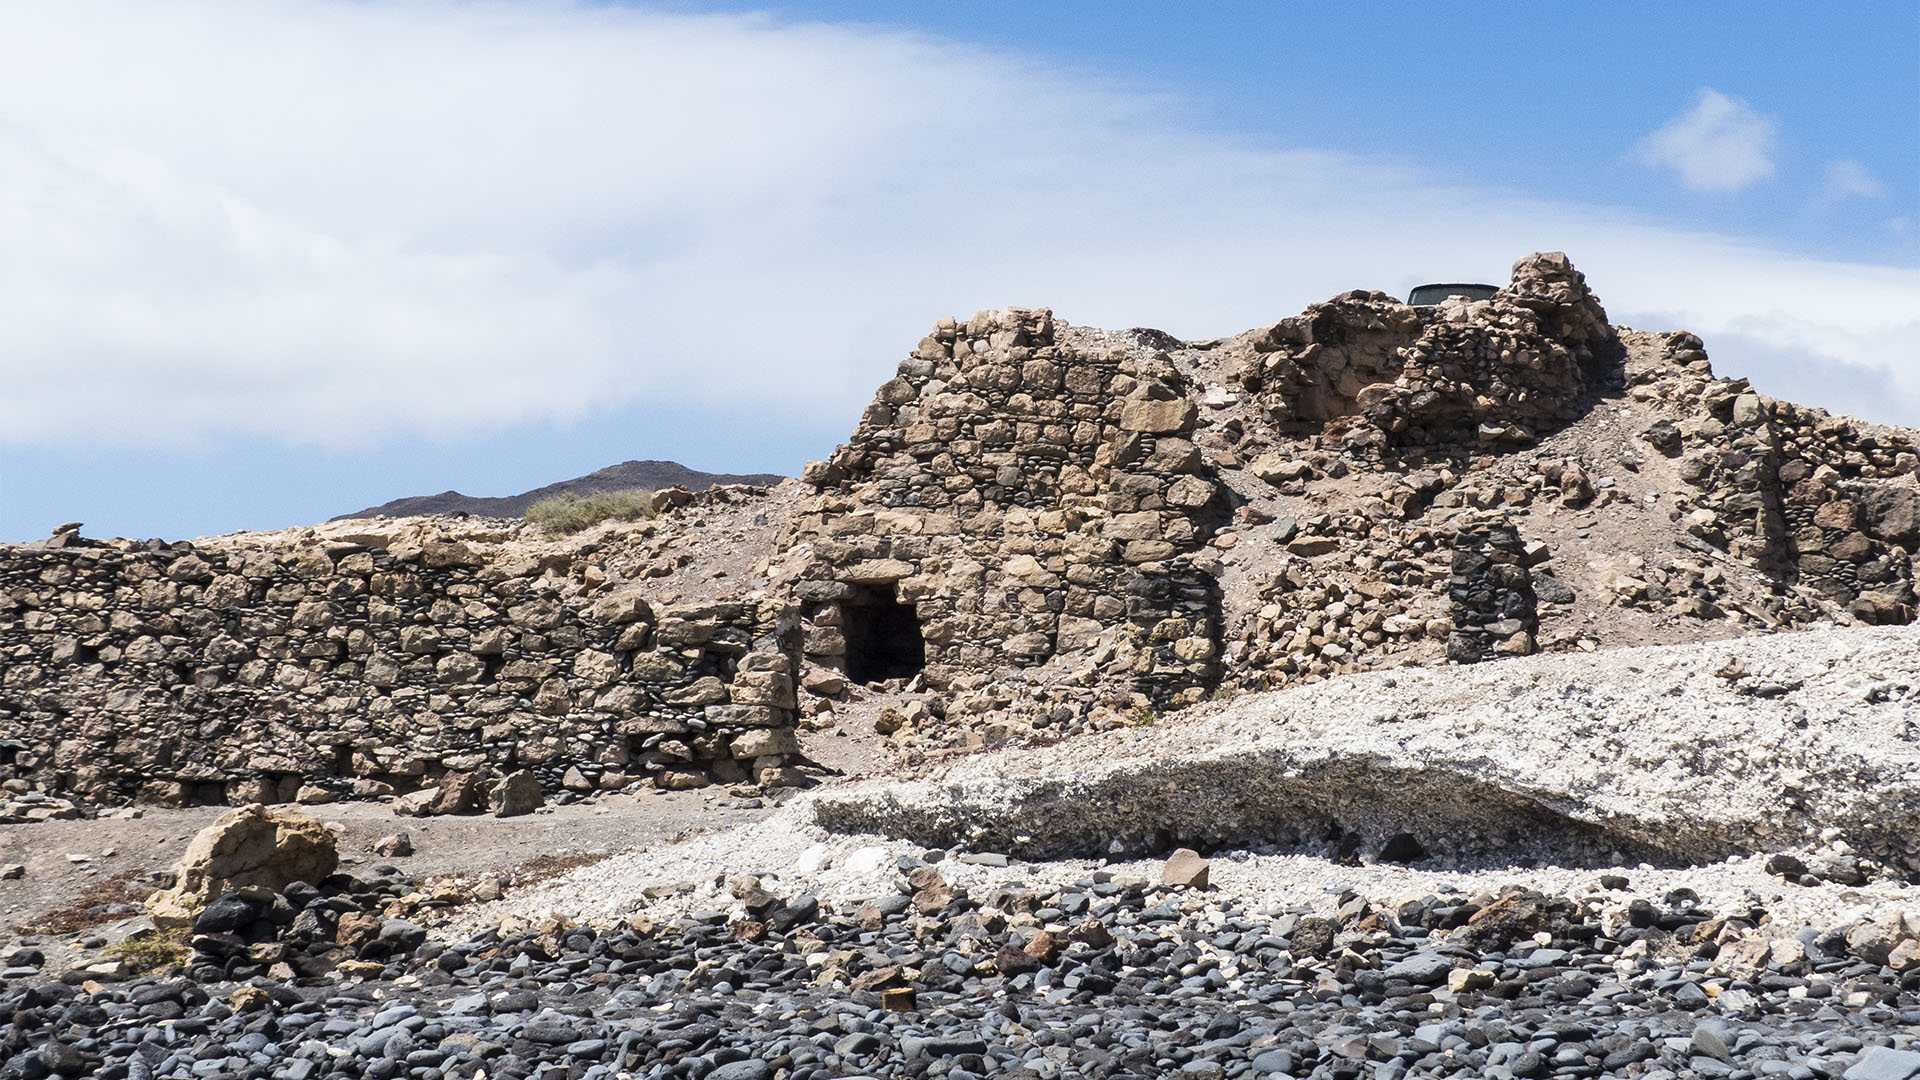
(651, 475)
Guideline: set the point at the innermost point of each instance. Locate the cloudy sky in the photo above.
(266, 262)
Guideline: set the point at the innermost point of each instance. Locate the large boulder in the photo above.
(1892, 513)
(255, 845)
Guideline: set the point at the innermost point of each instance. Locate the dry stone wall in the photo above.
(1034, 526)
(174, 674)
(1386, 377)
(1023, 489)
(1814, 499)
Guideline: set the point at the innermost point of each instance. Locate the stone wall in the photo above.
(1025, 488)
(1490, 592)
(174, 674)
(1046, 526)
(1813, 499)
(1384, 376)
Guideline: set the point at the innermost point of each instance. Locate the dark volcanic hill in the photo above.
(651, 475)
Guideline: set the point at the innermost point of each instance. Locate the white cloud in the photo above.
(1721, 144)
(328, 223)
(1848, 179)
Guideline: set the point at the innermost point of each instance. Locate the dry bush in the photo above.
(571, 513)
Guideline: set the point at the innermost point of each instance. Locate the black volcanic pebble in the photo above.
(1129, 986)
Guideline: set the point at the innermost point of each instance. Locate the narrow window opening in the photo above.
(883, 636)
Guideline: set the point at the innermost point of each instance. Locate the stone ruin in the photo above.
(180, 674)
(1383, 377)
(1019, 490)
(1034, 525)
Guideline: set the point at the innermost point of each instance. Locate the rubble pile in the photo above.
(1384, 375)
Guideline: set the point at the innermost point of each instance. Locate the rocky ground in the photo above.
(785, 946)
(87, 876)
(1105, 976)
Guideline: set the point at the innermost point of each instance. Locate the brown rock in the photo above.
(1185, 868)
(1091, 931)
(253, 845)
(922, 877)
(680, 779)
(1310, 546)
(357, 929)
(416, 803)
(462, 792)
(1838, 514)
(516, 793)
(1012, 960)
(1158, 417)
(1462, 980)
(1313, 936)
(1875, 941)
(1892, 513)
(879, 977)
(897, 999)
(1575, 487)
(1905, 956)
(394, 846)
(1516, 915)
(824, 681)
(1853, 547)
(248, 999)
(933, 899)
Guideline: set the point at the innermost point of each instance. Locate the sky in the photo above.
(264, 263)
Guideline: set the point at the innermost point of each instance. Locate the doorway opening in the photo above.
(883, 635)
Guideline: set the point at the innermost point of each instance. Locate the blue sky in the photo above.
(261, 264)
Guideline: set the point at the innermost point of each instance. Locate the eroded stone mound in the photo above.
(1679, 755)
(1391, 375)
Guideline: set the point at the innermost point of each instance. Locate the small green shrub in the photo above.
(154, 951)
(571, 513)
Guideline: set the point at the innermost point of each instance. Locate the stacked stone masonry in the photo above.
(1034, 525)
(170, 674)
(1385, 377)
(1026, 489)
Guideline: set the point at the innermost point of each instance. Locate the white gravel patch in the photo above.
(1761, 745)
(791, 856)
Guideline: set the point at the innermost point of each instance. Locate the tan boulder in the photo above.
(254, 845)
(1185, 868)
(1157, 416)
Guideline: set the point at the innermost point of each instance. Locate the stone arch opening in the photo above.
(883, 635)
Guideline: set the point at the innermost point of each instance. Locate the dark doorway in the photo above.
(883, 635)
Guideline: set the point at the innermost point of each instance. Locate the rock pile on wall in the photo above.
(1385, 375)
(1492, 596)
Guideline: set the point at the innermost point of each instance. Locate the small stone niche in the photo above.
(883, 635)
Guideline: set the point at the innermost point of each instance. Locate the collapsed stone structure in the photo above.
(1033, 525)
(1385, 377)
